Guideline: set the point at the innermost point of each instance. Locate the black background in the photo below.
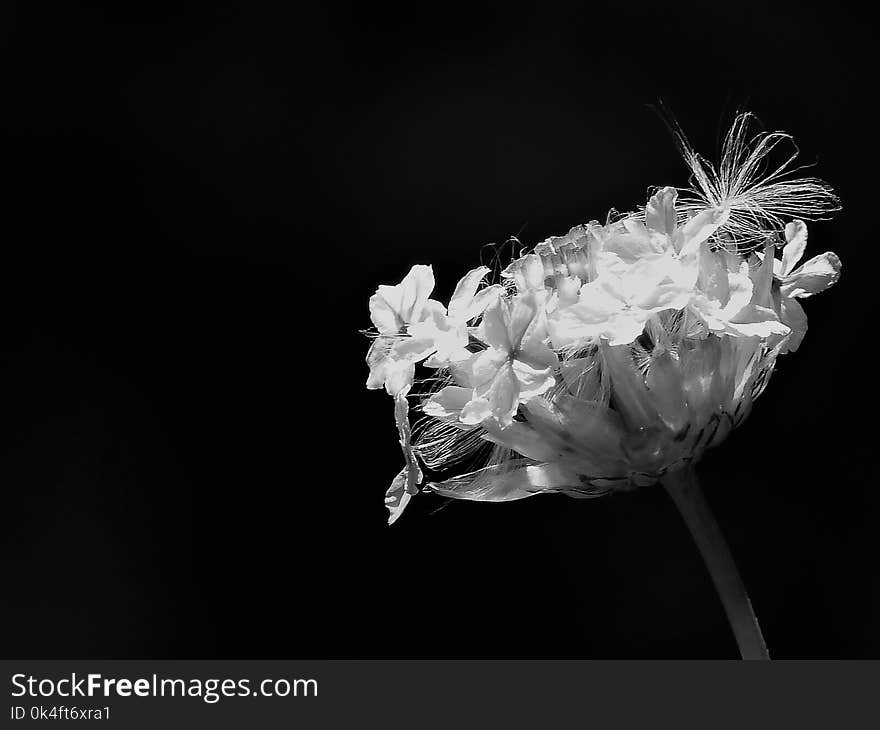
(200, 201)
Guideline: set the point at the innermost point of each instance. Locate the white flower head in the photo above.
(616, 353)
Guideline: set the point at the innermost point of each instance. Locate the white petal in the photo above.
(699, 228)
(413, 349)
(740, 290)
(524, 309)
(528, 273)
(660, 211)
(494, 327)
(796, 242)
(447, 355)
(433, 323)
(532, 382)
(660, 283)
(465, 291)
(448, 403)
(450, 347)
(599, 300)
(792, 315)
(635, 227)
(463, 371)
(392, 307)
(377, 361)
(378, 375)
(415, 289)
(384, 305)
(476, 411)
(567, 289)
(397, 496)
(483, 367)
(624, 328)
(401, 419)
(433, 313)
(500, 484)
(713, 279)
(755, 321)
(667, 295)
(597, 305)
(533, 347)
(407, 481)
(813, 277)
(606, 263)
(399, 376)
(483, 299)
(497, 399)
(763, 329)
(385, 369)
(630, 245)
(566, 328)
(761, 273)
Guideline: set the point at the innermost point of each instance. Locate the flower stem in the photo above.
(683, 487)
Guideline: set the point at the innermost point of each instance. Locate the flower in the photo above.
(617, 354)
(515, 367)
(791, 284)
(727, 300)
(386, 370)
(445, 331)
(411, 328)
(615, 307)
(392, 308)
(657, 359)
(638, 269)
(661, 233)
(392, 358)
(405, 484)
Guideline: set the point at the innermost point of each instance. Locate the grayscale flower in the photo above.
(611, 357)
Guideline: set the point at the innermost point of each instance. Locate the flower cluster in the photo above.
(605, 358)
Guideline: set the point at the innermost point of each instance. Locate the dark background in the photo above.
(200, 201)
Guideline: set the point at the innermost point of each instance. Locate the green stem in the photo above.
(683, 487)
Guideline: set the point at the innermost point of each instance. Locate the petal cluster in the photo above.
(608, 356)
